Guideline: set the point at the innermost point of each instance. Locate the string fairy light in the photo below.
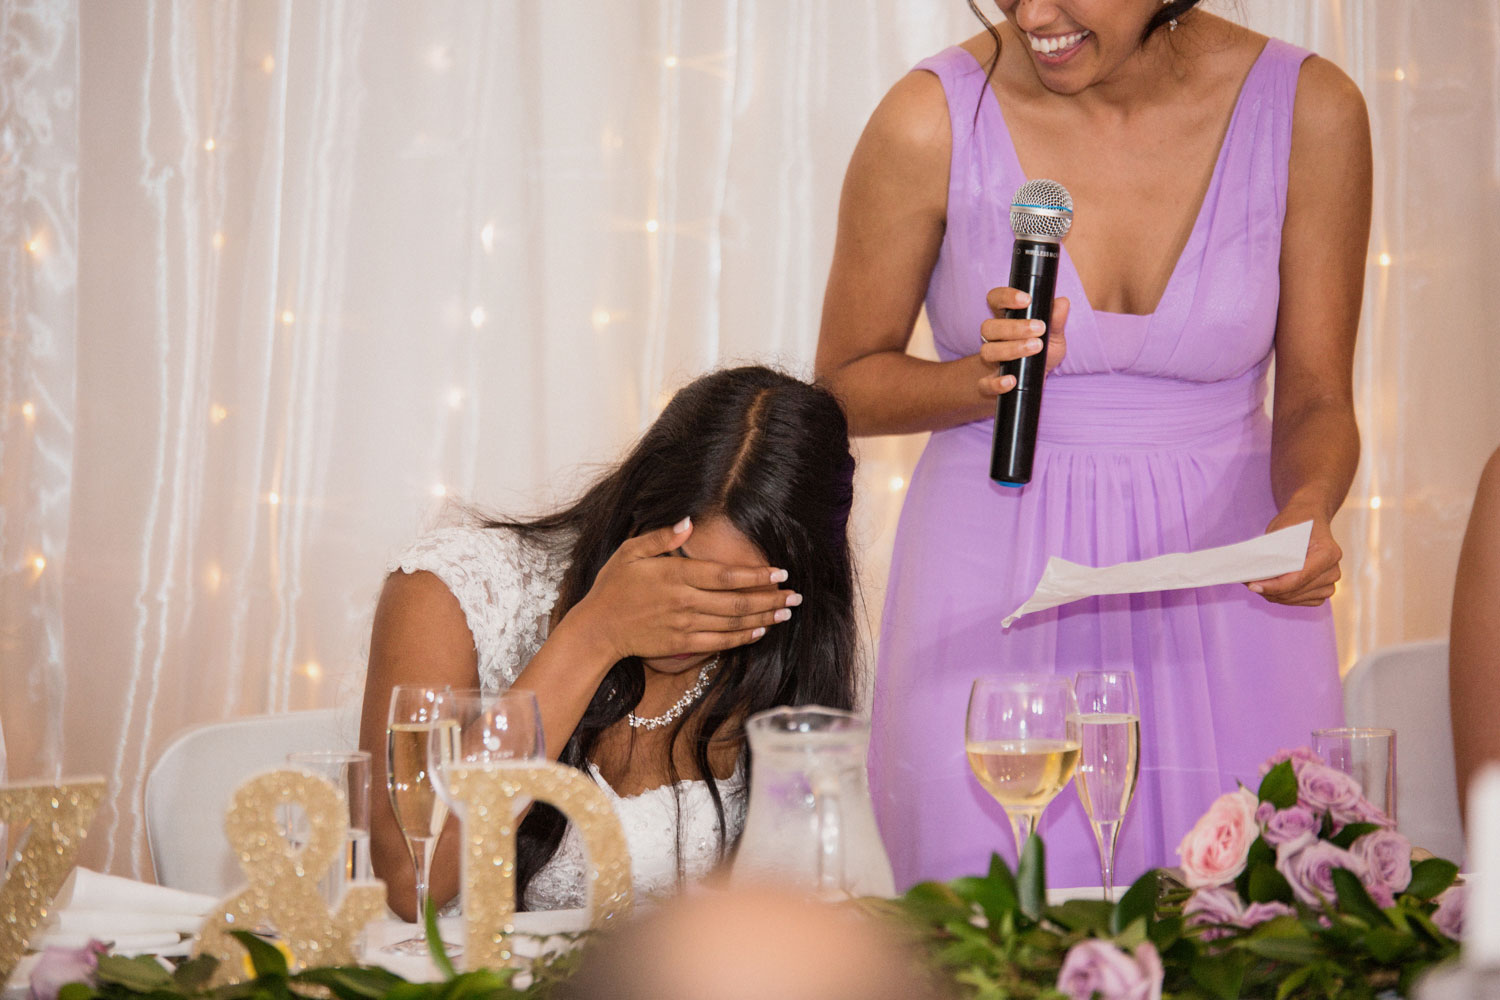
(600, 318)
(218, 240)
(897, 484)
(1374, 503)
(208, 145)
(439, 490)
(1384, 259)
(28, 410)
(273, 498)
(455, 398)
(477, 317)
(268, 64)
(288, 317)
(217, 413)
(652, 225)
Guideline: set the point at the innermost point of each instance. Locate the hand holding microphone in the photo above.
(1040, 216)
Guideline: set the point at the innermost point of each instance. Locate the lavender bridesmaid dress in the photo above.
(1154, 439)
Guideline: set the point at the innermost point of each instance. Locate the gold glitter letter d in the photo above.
(57, 818)
(489, 799)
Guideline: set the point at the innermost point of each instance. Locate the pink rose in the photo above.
(1095, 968)
(1213, 852)
(1285, 826)
(1449, 915)
(1298, 757)
(1387, 858)
(1309, 869)
(57, 967)
(1324, 789)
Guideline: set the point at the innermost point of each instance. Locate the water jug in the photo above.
(810, 823)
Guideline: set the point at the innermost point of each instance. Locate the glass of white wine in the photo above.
(1109, 731)
(1021, 744)
(418, 716)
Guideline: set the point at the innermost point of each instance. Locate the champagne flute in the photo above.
(419, 715)
(493, 731)
(1021, 744)
(1109, 732)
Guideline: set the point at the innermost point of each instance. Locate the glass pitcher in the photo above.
(811, 823)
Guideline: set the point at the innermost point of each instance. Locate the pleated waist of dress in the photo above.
(1142, 412)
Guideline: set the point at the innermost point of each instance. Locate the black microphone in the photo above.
(1040, 216)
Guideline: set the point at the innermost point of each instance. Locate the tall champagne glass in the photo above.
(418, 716)
(1109, 731)
(1020, 743)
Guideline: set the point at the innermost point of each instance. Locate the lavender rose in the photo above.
(1324, 789)
(1449, 915)
(1214, 851)
(57, 967)
(1288, 826)
(1387, 858)
(1217, 908)
(1309, 869)
(1298, 757)
(1098, 968)
(1222, 910)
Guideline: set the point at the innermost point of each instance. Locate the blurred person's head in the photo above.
(750, 945)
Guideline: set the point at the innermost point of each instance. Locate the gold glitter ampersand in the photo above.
(283, 890)
(489, 799)
(55, 818)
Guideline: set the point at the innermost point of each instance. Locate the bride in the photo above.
(705, 578)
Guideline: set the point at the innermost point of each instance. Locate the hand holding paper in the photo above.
(1259, 558)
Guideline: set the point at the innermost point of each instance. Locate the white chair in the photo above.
(189, 788)
(1405, 688)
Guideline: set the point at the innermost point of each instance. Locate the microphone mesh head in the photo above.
(1041, 209)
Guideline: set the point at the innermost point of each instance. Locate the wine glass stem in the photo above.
(1022, 825)
(1107, 834)
(421, 858)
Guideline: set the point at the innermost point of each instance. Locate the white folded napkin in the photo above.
(134, 916)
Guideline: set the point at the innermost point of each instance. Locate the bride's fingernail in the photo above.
(1257, 588)
(682, 526)
(783, 614)
(793, 600)
(778, 576)
(757, 633)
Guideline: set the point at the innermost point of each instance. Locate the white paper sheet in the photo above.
(1259, 558)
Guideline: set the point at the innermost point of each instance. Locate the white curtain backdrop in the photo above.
(275, 278)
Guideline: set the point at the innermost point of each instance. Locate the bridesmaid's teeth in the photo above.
(1055, 43)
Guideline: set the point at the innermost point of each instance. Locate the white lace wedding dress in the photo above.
(507, 587)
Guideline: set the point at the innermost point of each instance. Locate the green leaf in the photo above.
(1279, 786)
(354, 982)
(1139, 902)
(1088, 915)
(1430, 877)
(1296, 950)
(1346, 837)
(1386, 945)
(1293, 979)
(995, 894)
(1221, 975)
(1165, 933)
(933, 903)
(1133, 934)
(141, 974)
(265, 959)
(76, 991)
(1355, 901)
(435, 941)
(1267, 885)
(1031, 878)
(194, 974)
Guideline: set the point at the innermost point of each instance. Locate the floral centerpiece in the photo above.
(1302, 889)
(1299, 890)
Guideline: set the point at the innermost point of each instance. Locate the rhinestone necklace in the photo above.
(681, 704)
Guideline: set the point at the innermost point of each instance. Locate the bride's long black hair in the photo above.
(770, 453)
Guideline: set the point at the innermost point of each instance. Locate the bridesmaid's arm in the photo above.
(1474, 636)
(890, 228)
(1325, 237)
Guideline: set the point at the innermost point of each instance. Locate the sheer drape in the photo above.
(277, 278)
